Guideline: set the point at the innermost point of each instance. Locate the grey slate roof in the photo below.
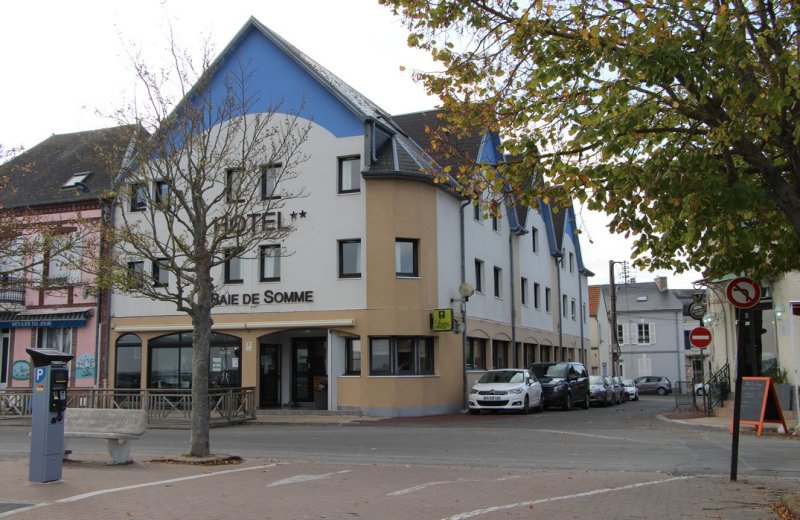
(35, 177)
(414, 125)
(642, 297)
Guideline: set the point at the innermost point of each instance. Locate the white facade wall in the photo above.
(312, 252)
(537, 268)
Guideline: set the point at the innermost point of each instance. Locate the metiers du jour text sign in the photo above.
(267, 297)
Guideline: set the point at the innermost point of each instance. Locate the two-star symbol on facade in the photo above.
(295, 214)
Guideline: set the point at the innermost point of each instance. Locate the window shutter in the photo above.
(652, 333)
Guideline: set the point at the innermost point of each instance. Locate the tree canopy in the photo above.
(679, 118)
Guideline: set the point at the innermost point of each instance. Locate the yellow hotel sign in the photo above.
(442, 320)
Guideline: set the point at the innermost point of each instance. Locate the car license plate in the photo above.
(491, 398)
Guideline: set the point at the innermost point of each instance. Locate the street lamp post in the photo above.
(465, 290)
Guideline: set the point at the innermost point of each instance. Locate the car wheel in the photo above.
(526, 407)
(586, 402)
(662, 390)
(540, 408)
(567, 402)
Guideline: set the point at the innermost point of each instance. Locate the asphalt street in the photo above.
(622, 462)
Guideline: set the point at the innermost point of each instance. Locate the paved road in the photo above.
(620, 462)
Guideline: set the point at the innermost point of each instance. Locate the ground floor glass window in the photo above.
(401, 355)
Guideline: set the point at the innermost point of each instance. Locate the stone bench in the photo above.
(117, 426)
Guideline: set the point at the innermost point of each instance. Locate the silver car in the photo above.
(654, 385)
(631, 389)
(506, 389)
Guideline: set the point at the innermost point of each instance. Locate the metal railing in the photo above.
(684, 394)
(12, 290)
(164, 407)
(717, 389)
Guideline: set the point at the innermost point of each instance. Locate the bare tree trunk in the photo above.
(199, 442)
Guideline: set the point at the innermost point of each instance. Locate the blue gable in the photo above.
(277, 77)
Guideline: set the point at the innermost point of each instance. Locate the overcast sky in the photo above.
(65, 62)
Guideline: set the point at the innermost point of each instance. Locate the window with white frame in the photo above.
(548, 296)
(269, 181)
(572, 307)
(571, 263)
(620, 333)
(350, 258)
(564, 305)
(645, 333)
(498, 282)
(64, 259)
(537, 288)
(270, 263)
(349, 174)
(58, 338)
(495, 223)
(535, 239)
(76, 181)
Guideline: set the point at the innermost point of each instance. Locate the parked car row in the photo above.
(563, 385)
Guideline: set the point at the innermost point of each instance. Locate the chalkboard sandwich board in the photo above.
(760, 404)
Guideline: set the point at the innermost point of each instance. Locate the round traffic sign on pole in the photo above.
(743, 292)
(700, 337)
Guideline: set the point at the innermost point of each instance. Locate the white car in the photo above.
(513, 389)
(631, 389)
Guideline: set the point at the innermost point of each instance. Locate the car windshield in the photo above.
(628, 382)
(595, 380)
(554, 372)
(501, 376)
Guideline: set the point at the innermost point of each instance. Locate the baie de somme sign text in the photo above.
(268, 296)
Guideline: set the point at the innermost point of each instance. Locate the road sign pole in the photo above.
(741, 317)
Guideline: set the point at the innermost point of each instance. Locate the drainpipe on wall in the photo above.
(583, 355)
(559, 259)
(515, 356)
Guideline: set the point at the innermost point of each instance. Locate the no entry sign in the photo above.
(700, 337)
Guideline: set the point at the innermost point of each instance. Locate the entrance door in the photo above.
(308, 364)
(269, 394)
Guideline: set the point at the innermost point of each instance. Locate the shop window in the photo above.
(500, 353)
(170, 361)
(128, 369)
(401, 355)
(476, 353)
(353, 356)
(58, 338)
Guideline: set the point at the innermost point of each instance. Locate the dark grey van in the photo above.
(563, 384)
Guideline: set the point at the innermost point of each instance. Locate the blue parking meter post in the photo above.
(50, 380)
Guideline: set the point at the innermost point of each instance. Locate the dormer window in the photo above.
(78, 180)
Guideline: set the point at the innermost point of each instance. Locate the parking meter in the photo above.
(50, 381)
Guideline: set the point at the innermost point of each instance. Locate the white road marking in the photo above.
(306, 478)
(459, 481)
(479, 512)
(84, 496)
(160, 483)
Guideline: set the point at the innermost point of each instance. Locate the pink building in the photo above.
(52, 204)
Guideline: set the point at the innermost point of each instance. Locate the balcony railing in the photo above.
(12, 290)
(164, 407)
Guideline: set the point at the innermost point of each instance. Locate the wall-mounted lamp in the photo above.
(709, 319)
(780, 312)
